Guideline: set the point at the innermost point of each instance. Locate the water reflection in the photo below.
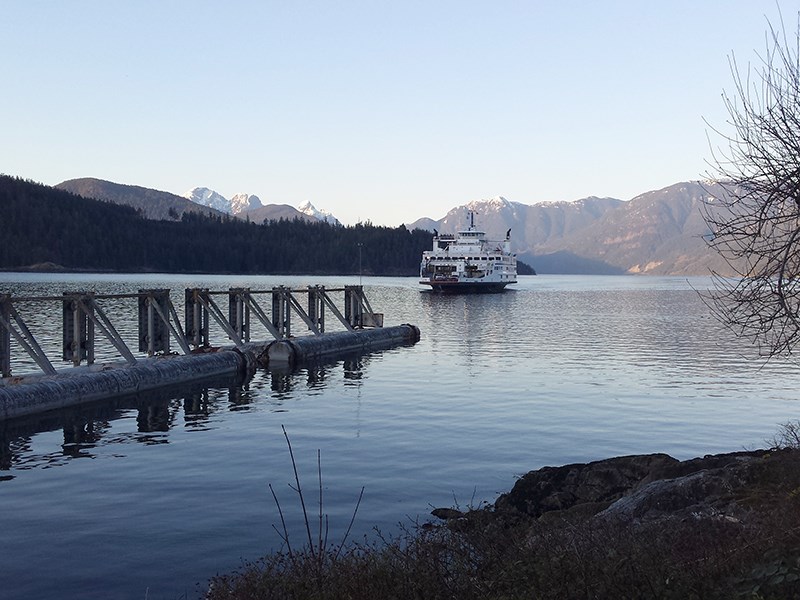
(80, 434)
(89, 426)
(354, 369)
(193, 406)
(284, 380)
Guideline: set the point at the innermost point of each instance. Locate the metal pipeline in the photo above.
(298, 350)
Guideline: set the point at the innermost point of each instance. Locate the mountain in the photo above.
(530, 225)
(235, 206)
(152, 204)
(659, 232)
(425, 223)
(322, 215)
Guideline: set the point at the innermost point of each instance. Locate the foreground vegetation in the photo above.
(487, 554)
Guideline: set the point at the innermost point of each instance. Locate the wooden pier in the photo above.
(84, 321)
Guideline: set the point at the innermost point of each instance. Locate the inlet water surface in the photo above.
(148, 497)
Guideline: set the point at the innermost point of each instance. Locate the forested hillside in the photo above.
(151, 204)
(40, 224)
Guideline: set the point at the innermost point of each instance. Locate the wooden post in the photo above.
(196, 318)
(89, 347)
(5, 335)
(316, 307)
(352, 305)
(239, 312)
(280, 311)
(76, 330)
(154, 331)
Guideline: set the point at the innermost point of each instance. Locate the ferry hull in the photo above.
(461, 287)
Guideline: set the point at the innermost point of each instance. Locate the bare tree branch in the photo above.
(755, 223)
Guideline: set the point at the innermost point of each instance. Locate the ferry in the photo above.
(468, 262)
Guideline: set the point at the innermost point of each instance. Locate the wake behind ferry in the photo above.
(467, 262)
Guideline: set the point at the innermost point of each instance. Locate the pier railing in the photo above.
(84, 317)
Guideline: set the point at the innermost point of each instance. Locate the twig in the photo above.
(299, 491)
(320, 545)
(350, 526)
(285, 536)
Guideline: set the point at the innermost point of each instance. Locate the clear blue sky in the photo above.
(374, 110)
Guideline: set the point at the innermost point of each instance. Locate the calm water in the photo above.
(148, 497)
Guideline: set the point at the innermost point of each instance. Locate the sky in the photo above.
(375, 111)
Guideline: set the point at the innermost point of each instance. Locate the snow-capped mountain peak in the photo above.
(323, 215)
(238, 204)
(496, 203)
(242, 202)
(208, 197)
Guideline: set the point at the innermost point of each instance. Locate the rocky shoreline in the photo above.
(648, 487)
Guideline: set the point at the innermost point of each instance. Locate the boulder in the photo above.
(649, 486)
(599, 483)
(719, 486)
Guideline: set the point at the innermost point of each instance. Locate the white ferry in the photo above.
(468, 262)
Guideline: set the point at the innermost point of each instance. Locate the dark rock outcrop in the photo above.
(561, 488)
(652, 486)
